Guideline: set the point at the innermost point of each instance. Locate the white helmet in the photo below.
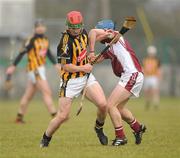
(151, 50)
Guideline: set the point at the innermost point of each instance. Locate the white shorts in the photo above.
(151, 82)
(132, 82)
(73, 87)
(39, 73)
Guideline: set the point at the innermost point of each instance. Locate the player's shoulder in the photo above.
(147, 58)
(45, 37)
(65, 37)
(84, 31)
(29, 40)
(64, 33)
(158, 59)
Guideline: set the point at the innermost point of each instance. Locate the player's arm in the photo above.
(87, 68)
(95, 35)
(53, 60)
(25, 49)
(51, 57)
(98, 35)
(64, 56)
(159, 71)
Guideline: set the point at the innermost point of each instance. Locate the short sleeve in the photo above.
(63, 50)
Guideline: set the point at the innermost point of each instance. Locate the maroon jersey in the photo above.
(123, 58)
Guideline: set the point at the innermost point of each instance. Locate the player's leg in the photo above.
(29, 93)
(155, 92)
(133, 88)
(147, 95)
(47, 96)
(68, 90)
(118, 96)
(148, 92)
(156, 97)
(96, 95)
(127, 116)
(61, 116)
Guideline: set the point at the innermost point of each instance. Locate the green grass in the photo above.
(77, 139)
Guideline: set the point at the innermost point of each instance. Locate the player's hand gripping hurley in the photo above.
(128, 24)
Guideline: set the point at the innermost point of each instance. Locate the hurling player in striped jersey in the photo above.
(73, 56)
(37, 50)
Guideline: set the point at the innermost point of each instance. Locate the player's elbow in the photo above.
(69, 68)
(65, 67)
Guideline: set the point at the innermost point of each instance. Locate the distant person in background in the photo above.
(37, 49)
(152, 73)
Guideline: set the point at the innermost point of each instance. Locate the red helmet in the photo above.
(74, 19)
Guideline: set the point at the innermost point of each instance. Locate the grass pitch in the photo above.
(77, 139)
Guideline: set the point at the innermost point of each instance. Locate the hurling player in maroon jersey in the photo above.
(126, 66)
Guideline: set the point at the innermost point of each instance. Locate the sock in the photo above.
(99, 125)
(19, 116)
(46, 137)
(135, 125)
(119, 132)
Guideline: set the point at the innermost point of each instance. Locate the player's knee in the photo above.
(120, 108)
(24, 101)
(103, 106)
(109, 108)
(62, 117)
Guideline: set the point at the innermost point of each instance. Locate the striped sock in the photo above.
(135, 125)
(119, 132)
(46, 137)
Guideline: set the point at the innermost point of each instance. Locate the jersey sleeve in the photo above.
(27, 46)
(85, 34)
(64, 50)
(51, 57)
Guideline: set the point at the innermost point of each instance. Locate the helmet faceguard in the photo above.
(74, 20)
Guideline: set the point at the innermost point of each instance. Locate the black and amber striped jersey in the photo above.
(72, 50)
(36, 48)
(151, 66)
